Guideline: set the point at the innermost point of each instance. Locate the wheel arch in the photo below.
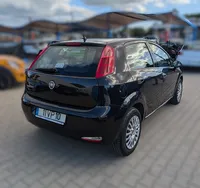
(139, 102)
(3, 70)
(140, 107)
(181, 78)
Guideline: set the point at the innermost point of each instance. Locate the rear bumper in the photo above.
(97, 122)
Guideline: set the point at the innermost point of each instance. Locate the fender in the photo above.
(133, 99)
(130, 101)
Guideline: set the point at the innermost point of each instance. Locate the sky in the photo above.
(19, 12)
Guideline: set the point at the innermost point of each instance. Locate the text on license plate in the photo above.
(48, 115)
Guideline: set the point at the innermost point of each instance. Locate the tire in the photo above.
(3, 83)
(176, 99)
(120, 145)
(6, 81)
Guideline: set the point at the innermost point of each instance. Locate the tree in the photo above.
(193, 15)
(140, 32)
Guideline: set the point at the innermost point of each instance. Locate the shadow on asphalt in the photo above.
(15, 86)
(57, 146)
(191, 70)
(75, 151)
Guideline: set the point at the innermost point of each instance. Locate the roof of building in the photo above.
(105, 21)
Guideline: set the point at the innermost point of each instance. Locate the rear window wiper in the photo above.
(47, 70)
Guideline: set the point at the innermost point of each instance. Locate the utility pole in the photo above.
(72, 16)
(29, 29)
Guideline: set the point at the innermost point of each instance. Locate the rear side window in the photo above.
(138, 56)
(71, 60)
(161, 58)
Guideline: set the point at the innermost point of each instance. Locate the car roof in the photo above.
(104, 40)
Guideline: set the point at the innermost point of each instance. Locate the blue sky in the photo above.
(18, 13)
(193, 6)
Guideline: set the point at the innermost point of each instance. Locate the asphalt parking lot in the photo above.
(168, 154)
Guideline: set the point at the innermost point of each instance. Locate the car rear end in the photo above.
(64, 91)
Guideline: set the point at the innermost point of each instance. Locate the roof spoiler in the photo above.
(152, 38)
(52, 42)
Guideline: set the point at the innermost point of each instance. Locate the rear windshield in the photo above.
(71, 61)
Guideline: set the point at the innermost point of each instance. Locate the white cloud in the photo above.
(17, 13)
(134, 5)
(159, 3)
(179, 1)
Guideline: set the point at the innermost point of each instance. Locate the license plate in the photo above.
(48, 115)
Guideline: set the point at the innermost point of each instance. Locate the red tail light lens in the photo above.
(37, 57)
(106, 64)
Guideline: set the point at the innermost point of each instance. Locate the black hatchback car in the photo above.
(100, 90)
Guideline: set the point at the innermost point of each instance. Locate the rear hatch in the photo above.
(65, 74)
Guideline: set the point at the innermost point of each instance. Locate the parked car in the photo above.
(24, 49)
(12, 71)
(190, 56)
(101, 90)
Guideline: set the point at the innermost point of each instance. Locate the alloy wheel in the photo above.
(133, 132)
(179, 91)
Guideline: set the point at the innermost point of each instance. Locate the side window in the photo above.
(161, 59)
(138, 56)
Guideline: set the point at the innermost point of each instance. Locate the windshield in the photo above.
(71, 61)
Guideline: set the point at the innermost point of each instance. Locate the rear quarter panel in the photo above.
(120, 89)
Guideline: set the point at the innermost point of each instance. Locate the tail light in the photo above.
(106, 64)
(37, 57)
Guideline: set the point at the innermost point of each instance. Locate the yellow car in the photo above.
(12, 71)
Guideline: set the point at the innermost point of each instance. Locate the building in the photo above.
(195, 19)
(177, 32)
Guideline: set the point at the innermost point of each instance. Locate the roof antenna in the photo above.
(84, 38)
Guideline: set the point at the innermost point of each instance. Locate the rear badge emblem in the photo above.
(52, 85)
